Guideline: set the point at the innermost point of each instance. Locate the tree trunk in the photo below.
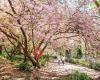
(0, 49)
(33, 61)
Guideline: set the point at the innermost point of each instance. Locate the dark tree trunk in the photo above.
(25, 59)
(0, 49)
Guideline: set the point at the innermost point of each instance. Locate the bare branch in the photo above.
(6, 12)
(66, 37)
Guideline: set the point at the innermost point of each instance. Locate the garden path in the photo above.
(53, 70)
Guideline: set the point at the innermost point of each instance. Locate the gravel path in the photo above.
(52, 69)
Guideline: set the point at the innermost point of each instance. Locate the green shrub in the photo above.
(24, 66)
(80, 62)
(83, 62)
(79, 76)
(76, 76)
(43, 60)
(74, 61)
(95, 65)
(53, 57)
(3, 54)
(79, 53)
(92, 65)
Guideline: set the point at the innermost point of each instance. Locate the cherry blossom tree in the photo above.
(31, 24)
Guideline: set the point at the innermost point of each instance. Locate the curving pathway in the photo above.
(53, 70)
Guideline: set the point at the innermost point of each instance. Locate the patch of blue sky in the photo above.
(62, 1)
(71, 3)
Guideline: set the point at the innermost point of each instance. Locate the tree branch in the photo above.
(6, 12)
(65, 37)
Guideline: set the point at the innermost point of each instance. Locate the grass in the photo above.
(76, 75)
(92, 65)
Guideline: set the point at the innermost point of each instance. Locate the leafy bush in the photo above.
(92, 65)
(3, 54)
(53, 57)
(24, 66)
(83, 62)
(79, 53)
(74, 61)
(79, 76)
(95, 65)
(76, 76)
(43, 60)
(80, 62)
